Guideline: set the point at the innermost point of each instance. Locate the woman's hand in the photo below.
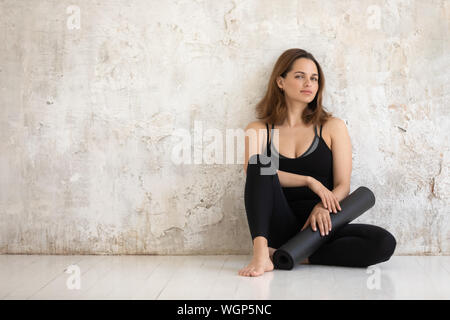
(328, 198)
(320, 216)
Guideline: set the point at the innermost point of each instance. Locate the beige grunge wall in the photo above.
(92, 93)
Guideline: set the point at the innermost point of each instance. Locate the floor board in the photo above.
(216, 277)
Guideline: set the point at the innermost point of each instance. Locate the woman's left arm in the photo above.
(341, 148)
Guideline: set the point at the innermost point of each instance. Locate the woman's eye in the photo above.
(313, 79)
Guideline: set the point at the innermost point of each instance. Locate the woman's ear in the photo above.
(280, 82)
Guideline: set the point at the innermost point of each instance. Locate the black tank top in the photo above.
(316, 162)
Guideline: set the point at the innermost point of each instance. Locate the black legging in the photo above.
(269, 215)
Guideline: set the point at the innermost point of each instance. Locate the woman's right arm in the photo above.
(255, 138)
(288, 179)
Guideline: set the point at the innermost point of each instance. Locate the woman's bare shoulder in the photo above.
(335, 123)
(256, 125)
(334, 128)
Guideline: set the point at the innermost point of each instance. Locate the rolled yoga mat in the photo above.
(306, 242)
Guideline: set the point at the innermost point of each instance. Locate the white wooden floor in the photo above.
(215, 277)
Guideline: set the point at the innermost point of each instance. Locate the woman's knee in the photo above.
(392, 243)
(383, 245)
(386, 244)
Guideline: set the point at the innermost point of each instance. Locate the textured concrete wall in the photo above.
(91, 93)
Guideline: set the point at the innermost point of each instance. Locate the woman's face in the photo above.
(302, 78)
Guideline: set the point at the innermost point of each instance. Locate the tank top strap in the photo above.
(271, 133)
(269, 141)
(321, 131)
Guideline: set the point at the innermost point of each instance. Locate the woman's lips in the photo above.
(306, 92)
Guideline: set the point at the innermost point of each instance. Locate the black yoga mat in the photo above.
(306, 242)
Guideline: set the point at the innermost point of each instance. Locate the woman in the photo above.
(310, 178)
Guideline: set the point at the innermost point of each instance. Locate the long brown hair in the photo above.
(273, 109)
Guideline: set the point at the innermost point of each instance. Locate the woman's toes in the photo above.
(256, 273)
(257, 267)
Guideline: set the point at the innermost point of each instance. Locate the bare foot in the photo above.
(271, 251)
(257, 267)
